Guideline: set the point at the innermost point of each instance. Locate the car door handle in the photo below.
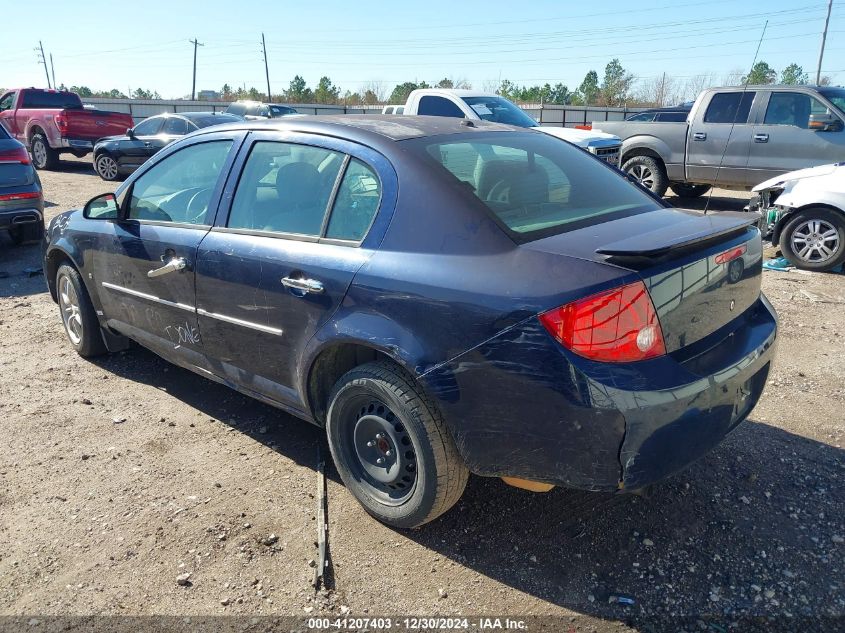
(699, 136)
(761, 138)
(177, 263)
(305, 285)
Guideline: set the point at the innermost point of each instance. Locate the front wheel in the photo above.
(649, 172)
(78, 316)
(814, 239)
(43, 156)
(685, 190)
(392, 448)
(106, 167)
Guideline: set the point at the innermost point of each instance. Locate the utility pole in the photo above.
(824, 38)
(662, 91)
(194, 84)
(43, 60)
(266, 69)
(53, 71)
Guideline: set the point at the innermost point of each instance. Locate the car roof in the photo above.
(360, 127)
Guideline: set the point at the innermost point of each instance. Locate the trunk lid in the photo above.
(702, 271)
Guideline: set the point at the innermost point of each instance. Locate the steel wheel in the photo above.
(71, 314)
(384, 459)
(815, 241)
(106, 167)
(643, 175)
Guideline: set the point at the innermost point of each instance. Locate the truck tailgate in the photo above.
(92, 125)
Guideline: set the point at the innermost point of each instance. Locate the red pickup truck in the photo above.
(53, 122)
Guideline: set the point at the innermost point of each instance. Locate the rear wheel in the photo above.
(649, 172)
(26, 233)
(78, 316)
(43, 156)
(392, 448)
(106, 167)
(814, 239)
(685, 190)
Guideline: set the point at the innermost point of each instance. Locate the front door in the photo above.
(280, 263)
(717, 143)
(145, 267)
(146, 141)
(784, 141)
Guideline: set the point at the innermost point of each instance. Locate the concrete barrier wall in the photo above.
(552, 115)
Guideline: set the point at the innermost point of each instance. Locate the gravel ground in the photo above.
(119, 475)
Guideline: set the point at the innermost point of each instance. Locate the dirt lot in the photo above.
(121, 474)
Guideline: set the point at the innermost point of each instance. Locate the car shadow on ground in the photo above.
(18, 269)
(75, 166)
(752, 529)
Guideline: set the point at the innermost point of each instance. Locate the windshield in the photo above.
(499, 110)
(534, 184)
(213, 119)
(837, 97)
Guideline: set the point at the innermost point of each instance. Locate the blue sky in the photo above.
(122, 45)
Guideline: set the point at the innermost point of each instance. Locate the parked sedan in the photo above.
(21, 199)
(117, 156)
(441, 297)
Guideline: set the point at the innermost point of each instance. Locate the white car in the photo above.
(804, 212)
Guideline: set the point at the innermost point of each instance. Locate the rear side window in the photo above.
(792, 108)
(285, 188)
(645, 116)
(729, 107)
(175, 126)
(438, 106)
(671, 117)
(236, 108)
(356, 203)
(40, 99)
(536, 185)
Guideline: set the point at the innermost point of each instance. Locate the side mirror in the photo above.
(130, 132)
(102, 207)
(825, 122)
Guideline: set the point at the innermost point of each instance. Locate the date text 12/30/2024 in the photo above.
(417, 624)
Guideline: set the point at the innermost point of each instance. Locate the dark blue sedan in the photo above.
(442, 296)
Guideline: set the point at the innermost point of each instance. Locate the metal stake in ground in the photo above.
(322, 526)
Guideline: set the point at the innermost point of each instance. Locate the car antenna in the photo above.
(733, 123)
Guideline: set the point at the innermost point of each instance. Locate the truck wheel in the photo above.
(814, 239)
(43, 156)
(106, 167)
(649, 172)
(684, 190)
(392, 448)
(26, 233)
(78, 316)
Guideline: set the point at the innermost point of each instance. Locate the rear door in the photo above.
(718, 140)
(281, 258)
(132, 152)
(145, 264)
(783, 140)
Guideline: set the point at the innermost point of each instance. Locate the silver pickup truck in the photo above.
(735, 138)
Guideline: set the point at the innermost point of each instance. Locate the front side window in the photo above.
(536, 185)
(438, 106)
(285, 188)
(236, 108)
(148, 127)
(729, 107)
(792, 108)
(356, 203)
(179, 187)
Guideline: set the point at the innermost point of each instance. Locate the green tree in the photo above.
(400, 93)
(793, 75)
(298, 91)
(616, 85)
(508, 89)
(445, 83)
(326, 91)
(82, 91)
(761, 74)
(254, 94)
(226, 93)
(589, 88)
(370, 97)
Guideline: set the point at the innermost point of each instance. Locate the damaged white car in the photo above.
(804, 212)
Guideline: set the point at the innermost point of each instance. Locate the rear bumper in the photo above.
(24, 215)
(77, 144)
(522, 406)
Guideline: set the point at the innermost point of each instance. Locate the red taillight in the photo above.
(615, 326)
(61, 122)
(16, 155)
(586, 126)
(730, 255)
(28, 195)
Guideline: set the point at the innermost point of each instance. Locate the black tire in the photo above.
(106, 167)
(379, 400)
(26, 233)
(685, 190)
(800, 229)
(84, 334)
(43, 156)
(649, 172)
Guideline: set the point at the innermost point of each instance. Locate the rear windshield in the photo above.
(281, 110)
(213, 119)
(42, 99)
(534, 184)
(499, 110)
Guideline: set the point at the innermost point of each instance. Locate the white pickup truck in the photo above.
(470, 104)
